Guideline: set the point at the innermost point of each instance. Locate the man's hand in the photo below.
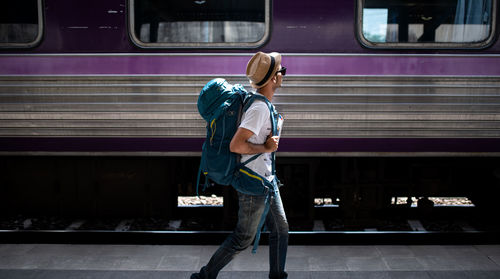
(271, 143)
(239, 143)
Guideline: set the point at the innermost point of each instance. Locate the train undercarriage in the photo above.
(319, 193)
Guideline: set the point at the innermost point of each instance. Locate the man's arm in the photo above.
(239, 143)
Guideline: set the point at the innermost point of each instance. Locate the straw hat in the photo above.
(262, 67)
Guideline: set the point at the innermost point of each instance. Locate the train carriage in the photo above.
(383, 98)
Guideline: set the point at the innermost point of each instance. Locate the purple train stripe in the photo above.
(298, 145)
(216, 65)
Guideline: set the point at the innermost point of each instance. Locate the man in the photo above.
(254, 136)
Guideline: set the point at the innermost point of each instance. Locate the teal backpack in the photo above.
(221, 105)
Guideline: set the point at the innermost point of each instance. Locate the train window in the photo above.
(199, 23)
(426, 23)
(20, 23)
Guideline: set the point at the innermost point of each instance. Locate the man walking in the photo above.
(254, 136)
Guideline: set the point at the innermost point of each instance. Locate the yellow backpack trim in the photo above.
(251, 175)
(213, 127)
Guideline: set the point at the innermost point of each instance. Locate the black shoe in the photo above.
(283, 275)
(200, 275)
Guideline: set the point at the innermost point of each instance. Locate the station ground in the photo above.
(56, 261)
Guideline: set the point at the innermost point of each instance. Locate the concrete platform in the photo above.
(162, 261)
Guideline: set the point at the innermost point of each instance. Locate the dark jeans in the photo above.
(249, 214)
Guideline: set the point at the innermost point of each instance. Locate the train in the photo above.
(383, 98)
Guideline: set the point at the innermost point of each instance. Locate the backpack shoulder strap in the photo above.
(250, 98)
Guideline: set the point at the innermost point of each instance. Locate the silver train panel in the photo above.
(319, 106)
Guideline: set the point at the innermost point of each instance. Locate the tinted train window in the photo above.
(426, 23)
(199, 23)
(20, 23)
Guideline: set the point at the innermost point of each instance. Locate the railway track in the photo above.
(441, 229)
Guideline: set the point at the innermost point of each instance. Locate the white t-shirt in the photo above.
(258, 120)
